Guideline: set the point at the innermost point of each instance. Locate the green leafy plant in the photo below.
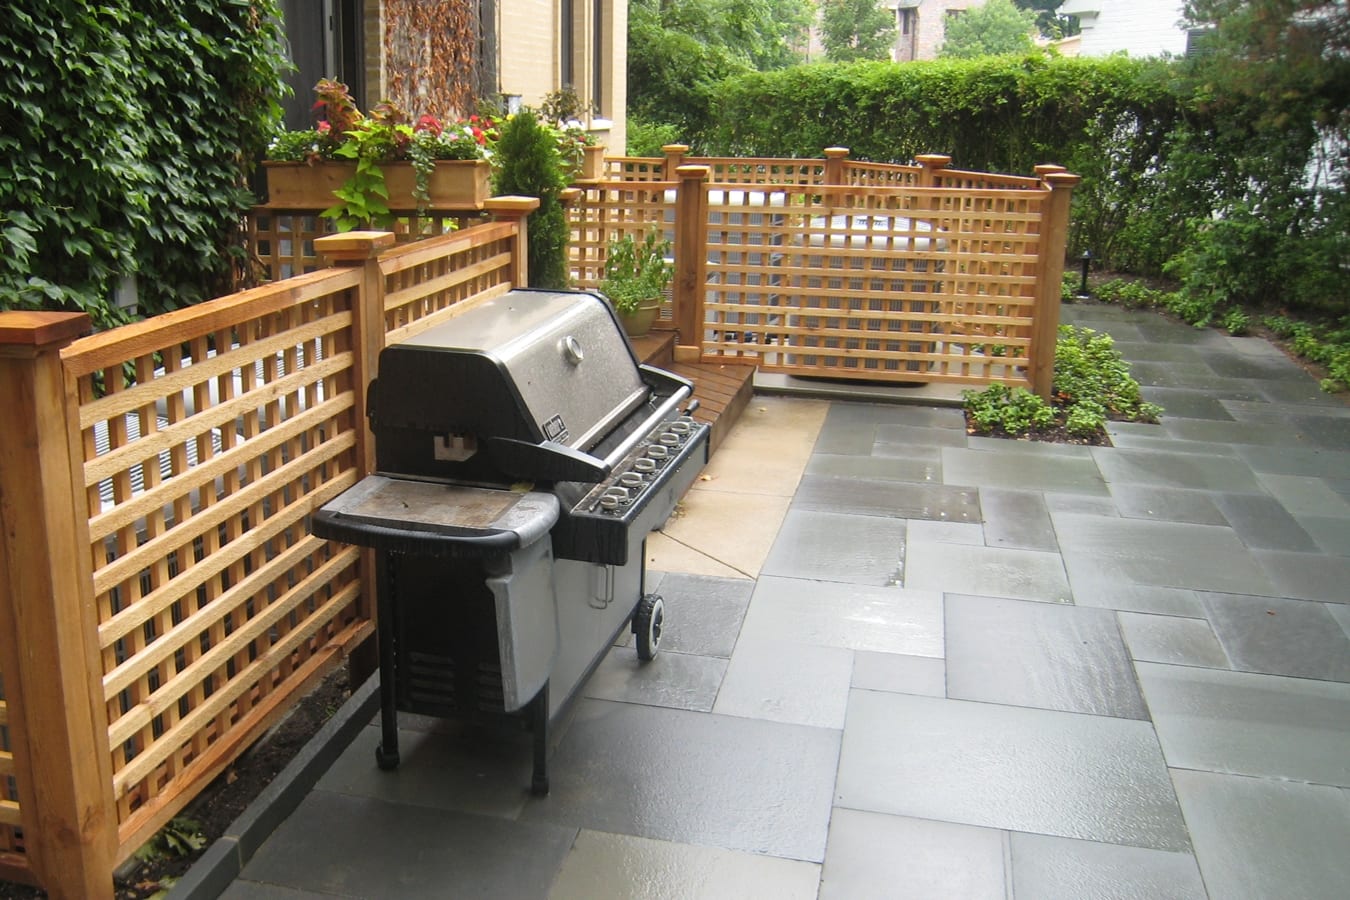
(1326, 345)
(637, 271)
(180, 838)
(1236, 322)
(1092, 385)
(1014, 411)
(387, 135)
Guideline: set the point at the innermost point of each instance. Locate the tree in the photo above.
(1048, 20)
(854, 30)
(679, 52)
(993, 29)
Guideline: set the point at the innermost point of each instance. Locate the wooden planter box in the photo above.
(453, 185)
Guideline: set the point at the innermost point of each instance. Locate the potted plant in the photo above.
(637, 274)
(356, 168)
(582, 156)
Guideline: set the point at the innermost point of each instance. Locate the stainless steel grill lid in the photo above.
(529, 365)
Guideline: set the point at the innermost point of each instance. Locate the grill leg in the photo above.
(539, 725)
(386, 754)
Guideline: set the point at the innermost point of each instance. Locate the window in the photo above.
(566, 44)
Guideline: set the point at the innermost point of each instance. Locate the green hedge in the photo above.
(1182, 174)
(1106, 119)
(128, 130)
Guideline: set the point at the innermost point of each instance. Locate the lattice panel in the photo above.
(863, 174)
(635, 168)
(11, 823)
(210, 434)
(426, 278)
(282, 241)
(981, 181)
(610, 210)
(763, 170)
(900, 285)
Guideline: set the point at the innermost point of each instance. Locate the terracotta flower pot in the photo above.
(640, 321)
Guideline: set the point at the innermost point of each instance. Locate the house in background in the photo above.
(1137, 27)
(920, 26)
(441, 56)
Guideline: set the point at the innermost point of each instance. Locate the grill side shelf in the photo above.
(431, 519)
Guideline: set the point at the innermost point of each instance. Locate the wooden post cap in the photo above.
(673, 149)
(933, 160)
(836, 152)
(352, 246)
(36, 328)
(1062, 179)
(512, 203)
(699, 172)
(1047, 168)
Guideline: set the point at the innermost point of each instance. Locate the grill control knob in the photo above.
(608, 502)
(679, 427)
(645, 465)
(618, 493)
(630, 479)
(657, 452)
(670, 439)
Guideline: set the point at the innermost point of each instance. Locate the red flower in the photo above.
(428, 123)
(324, 127)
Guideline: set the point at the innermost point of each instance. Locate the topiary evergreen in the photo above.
(526, 163)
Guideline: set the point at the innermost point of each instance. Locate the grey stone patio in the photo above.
(967, 668)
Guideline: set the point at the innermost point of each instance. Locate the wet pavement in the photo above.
(901, 661)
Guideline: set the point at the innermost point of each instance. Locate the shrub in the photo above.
(1014, 411)
(1325, 345)
(526, 162)
(1092, 384)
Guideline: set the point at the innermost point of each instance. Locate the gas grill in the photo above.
(522, 456)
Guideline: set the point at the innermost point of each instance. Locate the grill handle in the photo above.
(666, 410)
(546, 461)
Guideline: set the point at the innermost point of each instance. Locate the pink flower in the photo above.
(324, 127)
(428, 123)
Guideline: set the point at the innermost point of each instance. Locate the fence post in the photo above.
(674, 159)
(931, 164)
(49, 655)
(1049, 272)
(691, 259)
(834, 172)
(362, 248)
(516, 209)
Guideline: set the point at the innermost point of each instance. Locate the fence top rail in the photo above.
(112, 348)
(853, 190)
(1023, 181)
(415, 253)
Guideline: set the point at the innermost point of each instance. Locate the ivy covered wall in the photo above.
(127, 130)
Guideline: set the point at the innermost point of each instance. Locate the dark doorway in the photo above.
(324, 40)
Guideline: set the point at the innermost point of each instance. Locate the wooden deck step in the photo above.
(723, 391)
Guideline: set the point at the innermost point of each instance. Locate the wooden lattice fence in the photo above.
(163, 600)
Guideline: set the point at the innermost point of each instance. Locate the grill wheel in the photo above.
(648, 621)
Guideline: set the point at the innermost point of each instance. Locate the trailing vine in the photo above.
(430, 46)
(128, 128)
